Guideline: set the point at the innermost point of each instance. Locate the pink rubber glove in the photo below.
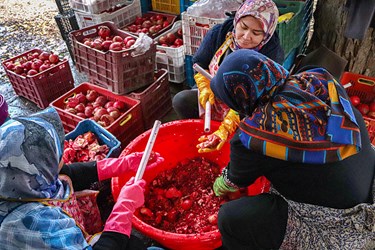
(111, 167)
(131, 197)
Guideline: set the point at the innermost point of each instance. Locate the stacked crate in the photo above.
(67, 22)
(91, 12)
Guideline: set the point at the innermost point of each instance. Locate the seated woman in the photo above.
(303, 134)
(253, 27)
(38, 207)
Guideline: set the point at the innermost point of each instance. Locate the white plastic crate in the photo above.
(121, 17)
(96, 6)
(194, 28)
(172, 59)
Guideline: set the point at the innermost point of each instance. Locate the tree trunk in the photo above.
(330, 22)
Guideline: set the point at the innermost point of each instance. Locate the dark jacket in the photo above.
(216, 36)
(342, 184)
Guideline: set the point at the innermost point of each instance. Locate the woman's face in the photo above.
(249, 32)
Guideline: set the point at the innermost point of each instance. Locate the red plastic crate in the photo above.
(118, 71)
(364, 88)
(170, 18)
(155, 99)
(125, 128)
(44, 87)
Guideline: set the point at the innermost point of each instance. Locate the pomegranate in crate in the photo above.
(362, 96)
(116, 67)
(96, 103)
(39, 76)
(151, 23)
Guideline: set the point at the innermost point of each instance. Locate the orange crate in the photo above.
(155, 99)
(125, 128)
(118, 71)
(364, 88)
(44, 87)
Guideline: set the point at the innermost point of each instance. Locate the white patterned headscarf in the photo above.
(30, 152)
(264, 10)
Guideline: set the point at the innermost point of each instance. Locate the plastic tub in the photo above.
(176, 141)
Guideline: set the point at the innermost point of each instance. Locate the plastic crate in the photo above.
(364, 88)
(167, 6)
(63, 6)
(121, 17)
(194, 28)
(117, 71)
(104, 137)
(189, 71)
(170, 18)
(45, 86)
(155, 100)
(95, 6)
(184, 4)
(67, 23)
(172, 59)
(125, 128)
(290, 32)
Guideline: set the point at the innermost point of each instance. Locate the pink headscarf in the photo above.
(264, 10)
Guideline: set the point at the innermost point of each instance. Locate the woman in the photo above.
(39, 208)
(303, 134)
(253, 27)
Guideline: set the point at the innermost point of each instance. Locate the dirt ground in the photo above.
(26, 25)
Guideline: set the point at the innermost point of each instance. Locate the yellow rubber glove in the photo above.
(205, 92)
(285, 18)
(216, 140)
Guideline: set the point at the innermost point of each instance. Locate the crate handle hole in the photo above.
(128, 118)
(366, 82)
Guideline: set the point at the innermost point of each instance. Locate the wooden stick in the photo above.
(147, 152)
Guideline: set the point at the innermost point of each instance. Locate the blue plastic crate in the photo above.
(103, 136)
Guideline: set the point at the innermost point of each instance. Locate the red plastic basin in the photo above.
(176, 141)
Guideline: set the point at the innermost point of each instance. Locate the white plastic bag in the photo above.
(142, 44)
(213, 8)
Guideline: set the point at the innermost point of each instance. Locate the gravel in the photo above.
(26, 25)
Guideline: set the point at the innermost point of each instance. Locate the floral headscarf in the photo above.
(31, 148)
(264, 10)
(302, 118)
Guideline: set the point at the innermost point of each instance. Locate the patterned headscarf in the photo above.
(264, 10)
(305, 117)
(31, 148)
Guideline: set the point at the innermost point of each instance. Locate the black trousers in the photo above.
(185, 103)
(256, 222)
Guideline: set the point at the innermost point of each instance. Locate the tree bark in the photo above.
(330, 22)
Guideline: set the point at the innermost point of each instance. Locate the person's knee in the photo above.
(185, 104)
(179, 99)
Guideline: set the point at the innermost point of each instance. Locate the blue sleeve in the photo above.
(50, 227)
(207, 48)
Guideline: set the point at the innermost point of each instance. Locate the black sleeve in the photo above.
(245, 166)
(111, 240)
(82, 174)
(273, 50)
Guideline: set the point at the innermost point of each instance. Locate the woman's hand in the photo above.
(209, 143)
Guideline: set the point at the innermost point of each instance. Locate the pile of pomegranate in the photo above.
(181, 200)
(33, 63)
(106, 40)
(148, 24)
(171, 39)
(84, 148)
(92, 105)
